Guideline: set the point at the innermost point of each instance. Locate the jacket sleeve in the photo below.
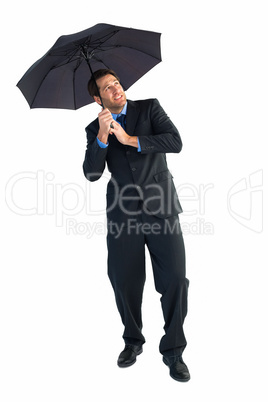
(95, 157)
(165, 136)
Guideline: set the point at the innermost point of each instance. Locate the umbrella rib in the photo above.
(39, 86)
(100, 41)
(141, 51)
(74, 97)
(36, 92)
(74, 91)
(125, 46)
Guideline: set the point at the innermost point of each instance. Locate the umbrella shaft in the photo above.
(88, 63)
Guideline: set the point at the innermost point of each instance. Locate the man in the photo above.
(132, 138)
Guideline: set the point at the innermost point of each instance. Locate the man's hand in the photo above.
(105, 120)
(122, 136)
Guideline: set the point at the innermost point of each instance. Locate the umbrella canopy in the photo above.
(60, 78)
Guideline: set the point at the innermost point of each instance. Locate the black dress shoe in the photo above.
(177, 368)
(128, 356)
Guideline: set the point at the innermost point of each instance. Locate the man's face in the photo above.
(112, 93)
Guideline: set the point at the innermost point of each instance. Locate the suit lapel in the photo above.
(133, 111)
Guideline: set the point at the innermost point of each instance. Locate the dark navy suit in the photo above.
(142, 209)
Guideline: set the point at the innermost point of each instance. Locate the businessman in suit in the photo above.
(132, 138)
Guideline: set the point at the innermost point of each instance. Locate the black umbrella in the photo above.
(59, 79)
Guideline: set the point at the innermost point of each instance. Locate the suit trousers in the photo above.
(126, 270)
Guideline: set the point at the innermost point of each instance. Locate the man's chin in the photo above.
(116, 107)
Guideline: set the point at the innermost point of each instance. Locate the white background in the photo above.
(60, 330)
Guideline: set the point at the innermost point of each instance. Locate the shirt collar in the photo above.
(124, 111)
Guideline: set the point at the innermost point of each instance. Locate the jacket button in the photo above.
(133, 169)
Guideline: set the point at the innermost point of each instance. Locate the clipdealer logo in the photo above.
(38, 193)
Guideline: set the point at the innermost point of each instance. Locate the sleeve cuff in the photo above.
(101, 144)
(139, 145)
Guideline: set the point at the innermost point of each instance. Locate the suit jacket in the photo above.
(137, 178)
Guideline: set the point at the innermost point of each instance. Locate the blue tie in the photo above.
(122, 120)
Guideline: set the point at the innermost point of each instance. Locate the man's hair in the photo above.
(92, 89)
